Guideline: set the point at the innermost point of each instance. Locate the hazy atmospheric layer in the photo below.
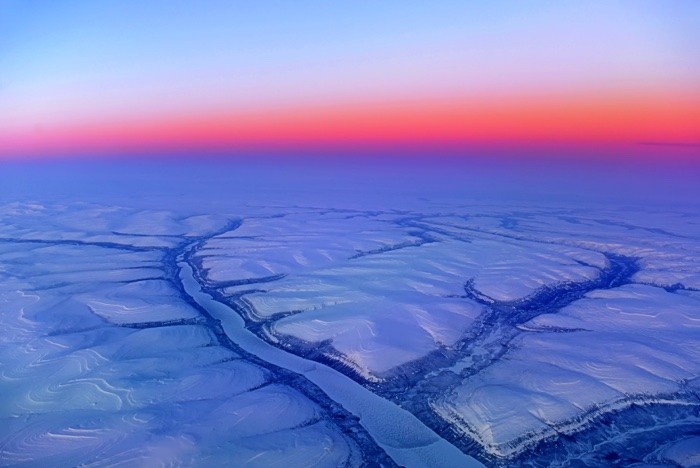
(206, 318)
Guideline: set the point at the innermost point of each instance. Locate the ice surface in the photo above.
(236, 328)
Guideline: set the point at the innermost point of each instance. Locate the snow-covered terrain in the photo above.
(505, 331)
(103, 360)
(383, 331)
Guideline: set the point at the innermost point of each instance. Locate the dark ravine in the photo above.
(497, 327)
(79, 243)
(623, 438)
(413, 384)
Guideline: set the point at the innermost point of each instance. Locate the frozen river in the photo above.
(405, 439)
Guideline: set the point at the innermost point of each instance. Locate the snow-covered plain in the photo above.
(347, 332)
(505, 334)
(103, 362)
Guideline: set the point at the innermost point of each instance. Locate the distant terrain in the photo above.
(434, 330)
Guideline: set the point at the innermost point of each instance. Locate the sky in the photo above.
(607, 77)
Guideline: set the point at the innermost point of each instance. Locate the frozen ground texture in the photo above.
(520, 334)
(104, 360)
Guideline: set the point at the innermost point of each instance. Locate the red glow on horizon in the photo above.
(597, 119)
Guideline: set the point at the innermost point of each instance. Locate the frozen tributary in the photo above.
(405, 439)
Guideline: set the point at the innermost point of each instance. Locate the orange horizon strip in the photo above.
(601, 118)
